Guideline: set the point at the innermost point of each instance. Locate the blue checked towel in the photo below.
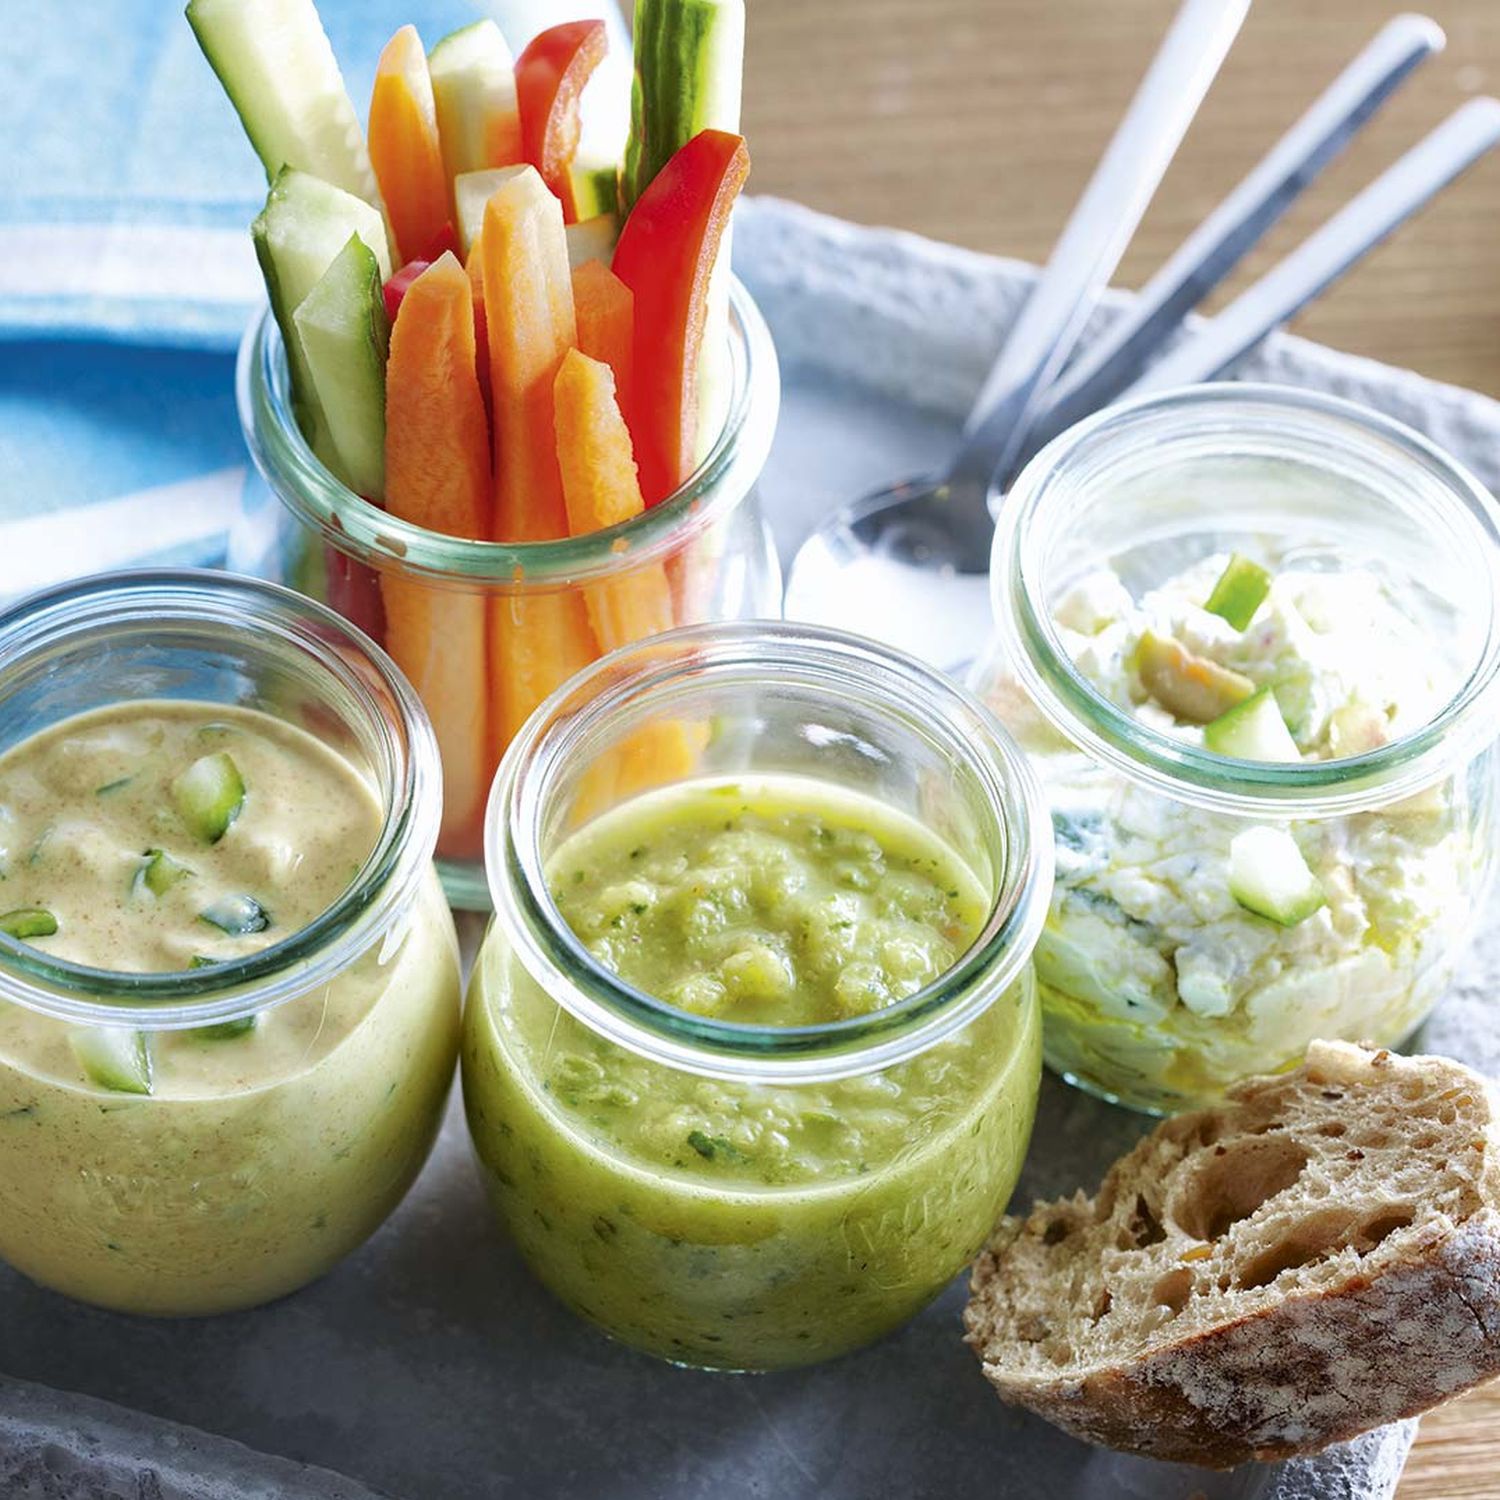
(127, 275)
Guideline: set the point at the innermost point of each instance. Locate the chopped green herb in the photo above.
(112, 786)
(713, 1147)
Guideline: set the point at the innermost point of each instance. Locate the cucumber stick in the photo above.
(1269, 876)
(592, 239)
(114, 1057)
(305, 224)
(1252, 730)
(277, 66)
(345, 335)
(689, 61)
(474, 89)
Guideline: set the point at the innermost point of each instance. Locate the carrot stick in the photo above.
(601, 488)
(605, 309)
(438, 476)
(537, 641)
(404, 147)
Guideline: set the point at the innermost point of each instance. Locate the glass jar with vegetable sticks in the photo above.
(1251, 638)
(509, 407)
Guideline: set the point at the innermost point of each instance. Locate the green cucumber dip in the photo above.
(735, 1224)
(192, 1171)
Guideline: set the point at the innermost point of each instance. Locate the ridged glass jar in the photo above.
(302, 527)
(749, 1196)
(1159, 987)
(261, 1155)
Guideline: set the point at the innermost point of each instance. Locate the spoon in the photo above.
(932, 627)
(945, 523)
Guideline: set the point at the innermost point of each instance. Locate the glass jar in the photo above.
(303, 528)
(1213, 914)
(260, 1158)
(742, 1196)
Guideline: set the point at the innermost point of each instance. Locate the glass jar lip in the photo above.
(371, 535)
(675, 666)
(1189, 773)
(386, 881)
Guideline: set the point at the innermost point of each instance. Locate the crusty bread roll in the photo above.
(1316, 1256)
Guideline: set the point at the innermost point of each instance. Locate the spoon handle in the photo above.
(1326, 254)
(1095, 237)
(1234, 227)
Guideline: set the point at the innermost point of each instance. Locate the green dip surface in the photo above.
(745, 1225)
(249, 1158)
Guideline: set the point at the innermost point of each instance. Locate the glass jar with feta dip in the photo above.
(445, 607)
(229, 983)
(1249, 636)
(754, 1171)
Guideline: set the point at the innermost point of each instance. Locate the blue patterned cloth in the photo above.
(127, 276)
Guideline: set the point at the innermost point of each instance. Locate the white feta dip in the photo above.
(1164, 979)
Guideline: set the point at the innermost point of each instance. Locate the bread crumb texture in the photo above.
(1316, 1256)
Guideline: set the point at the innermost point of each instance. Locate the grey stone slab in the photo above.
(430, 1366)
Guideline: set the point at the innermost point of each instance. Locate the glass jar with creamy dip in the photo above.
(1250, 638)
(687, 1158)
(451, 611)
(229, 984)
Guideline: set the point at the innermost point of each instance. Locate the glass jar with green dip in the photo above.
(752, 1048)
(229, 985)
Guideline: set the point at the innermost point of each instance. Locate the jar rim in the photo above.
(1150, 757)
(675, 667)
(375, 537)
(74, 613)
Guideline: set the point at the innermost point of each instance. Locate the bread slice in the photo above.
(1316, 1256)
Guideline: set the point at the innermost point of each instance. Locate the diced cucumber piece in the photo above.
(239, 916)
(277, 66)
(592, 239)
(1240, 591)
(346, 336)
(474, 88)
(224, 1031)
(305, 224)
(209, 795)
(1253, 730)
(114, 1057)
(1269, 876)
(1192, 688)
(689, 62)
(160, 872)
(471, 192)
(27, 922)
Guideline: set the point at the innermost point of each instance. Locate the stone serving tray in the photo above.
(429, 1366)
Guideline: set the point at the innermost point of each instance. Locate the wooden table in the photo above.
(978, 121)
